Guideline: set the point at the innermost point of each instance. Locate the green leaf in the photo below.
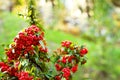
(54, 58)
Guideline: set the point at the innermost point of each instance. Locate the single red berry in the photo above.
(66, 72)
(74, 68)
(64, 60)
(1, 64)
(70, 58)
(58, 67)
(57, 78)
(66, 44)
(83, 52)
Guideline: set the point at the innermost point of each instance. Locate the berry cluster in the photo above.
(25, 42)
(13, 71)
(28, 44)
(68, 62)
(24, 76)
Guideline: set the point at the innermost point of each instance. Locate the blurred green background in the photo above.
(95, 23)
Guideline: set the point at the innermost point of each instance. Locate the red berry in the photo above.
(70, 58)
(66, 72)
(66, 44)
(83, 52)
(64, 59)
(74, 68)
(58, 67)
(57, 78)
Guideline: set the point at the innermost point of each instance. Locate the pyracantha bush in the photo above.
(69, 56)
(27, 58)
